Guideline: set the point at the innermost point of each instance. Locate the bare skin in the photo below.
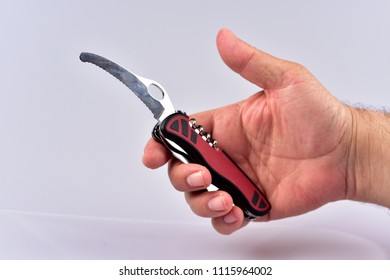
(295, 140)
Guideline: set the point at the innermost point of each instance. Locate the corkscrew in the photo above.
(205, 135)
(189, 141)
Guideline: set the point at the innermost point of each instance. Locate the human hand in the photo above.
(292, 138)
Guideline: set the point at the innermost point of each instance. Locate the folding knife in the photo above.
(188, 141)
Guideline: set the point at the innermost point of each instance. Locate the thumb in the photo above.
(254, 65)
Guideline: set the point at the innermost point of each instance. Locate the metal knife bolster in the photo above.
(186, 143)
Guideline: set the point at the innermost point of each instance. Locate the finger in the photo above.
(210, 204)
(155, 154)
(231, 222)
(188, 177)
(254, 65)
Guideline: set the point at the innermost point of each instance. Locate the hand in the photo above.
(292, 138)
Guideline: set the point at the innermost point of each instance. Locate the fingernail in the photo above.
(216, 204)
(196, 179)
(230, 218)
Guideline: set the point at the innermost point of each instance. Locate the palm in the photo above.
(290, 142)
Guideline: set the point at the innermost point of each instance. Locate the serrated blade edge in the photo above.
(129, 79)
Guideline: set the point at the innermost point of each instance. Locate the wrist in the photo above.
(369, 157)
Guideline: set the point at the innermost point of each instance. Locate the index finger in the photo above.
(155, 154)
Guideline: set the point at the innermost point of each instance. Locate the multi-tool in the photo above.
(188, 141)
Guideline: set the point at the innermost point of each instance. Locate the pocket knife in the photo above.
(188, 141)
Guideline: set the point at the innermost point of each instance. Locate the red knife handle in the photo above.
(190, 144)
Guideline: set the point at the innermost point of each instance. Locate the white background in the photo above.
(72, 136)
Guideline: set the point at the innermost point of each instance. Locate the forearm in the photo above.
(369, 155)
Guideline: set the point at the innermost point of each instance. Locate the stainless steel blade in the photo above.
(138, 85)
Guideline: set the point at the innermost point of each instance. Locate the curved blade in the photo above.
(130, 80)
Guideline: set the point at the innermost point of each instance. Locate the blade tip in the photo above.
(84, 57)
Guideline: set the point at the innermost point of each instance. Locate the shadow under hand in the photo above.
(281, 243)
